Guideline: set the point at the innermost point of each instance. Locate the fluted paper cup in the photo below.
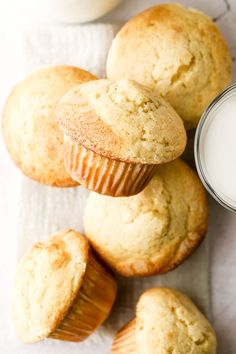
(92, 304)
(104, 175)
(125, 339)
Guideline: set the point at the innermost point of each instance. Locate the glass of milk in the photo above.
(215, 148)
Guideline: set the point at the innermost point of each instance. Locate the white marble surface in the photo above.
(222, 223)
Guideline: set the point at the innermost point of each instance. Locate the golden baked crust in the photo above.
(48, 279)
(31, 134)
(154, 231)
(177, 51)
(168, 320)
(122, 120)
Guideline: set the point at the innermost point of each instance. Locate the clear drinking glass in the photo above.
(204, 125)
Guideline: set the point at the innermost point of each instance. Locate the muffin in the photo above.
(31, 134)
(154, 231)
(178, 52)
(62, 290)
(166, 321)
(115, 133)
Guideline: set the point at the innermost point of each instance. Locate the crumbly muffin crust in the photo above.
(30, 131)
(168, 320)
(122, 120)
(177, 51)
(48, 279)
(154, 231)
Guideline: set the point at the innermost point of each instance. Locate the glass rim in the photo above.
(199, 167)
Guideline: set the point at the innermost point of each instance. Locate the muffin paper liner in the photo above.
(91, 306)
(125, 339)
(103, 175)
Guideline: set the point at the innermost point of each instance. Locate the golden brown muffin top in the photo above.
(48, 279)
(177, 51)
(153, 231)
(122, 120)
(167, 321)
(31, 133)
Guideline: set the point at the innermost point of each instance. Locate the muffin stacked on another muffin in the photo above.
(154, 231)
(166, 321)
(116, 132)
(62, 290)
(30, 131)
(178, 52)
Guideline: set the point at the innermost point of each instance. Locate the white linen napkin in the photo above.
(45, 210)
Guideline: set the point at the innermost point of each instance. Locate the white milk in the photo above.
(217, 149)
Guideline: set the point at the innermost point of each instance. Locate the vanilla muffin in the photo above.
(166, 321)
(31, 134)
(62, 290)
(178, 52)
(116, 132)
(154, 231)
